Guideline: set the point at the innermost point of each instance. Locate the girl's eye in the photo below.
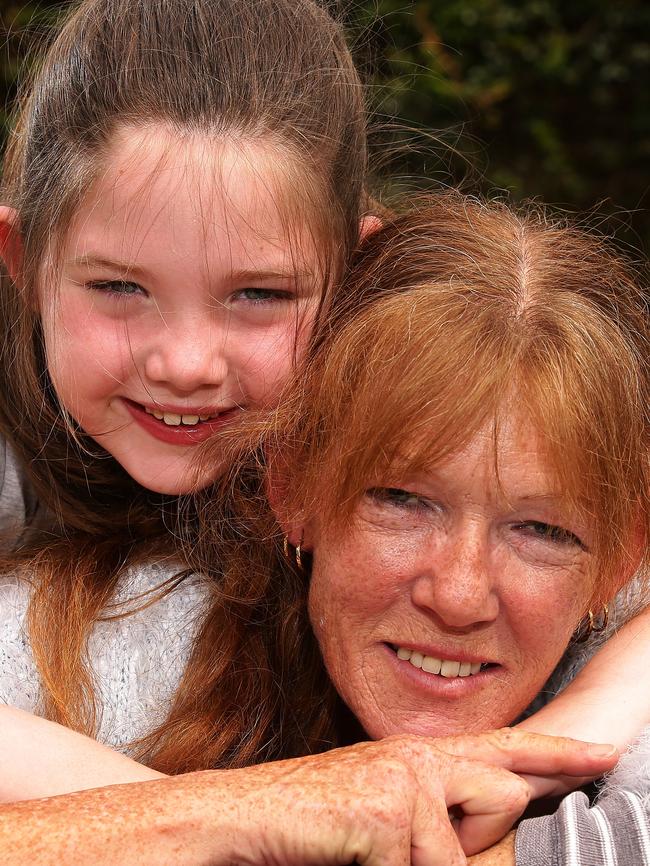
(116, 287)
(549, 532)
(263, 296)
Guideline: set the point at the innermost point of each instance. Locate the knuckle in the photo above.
(516, 797)
(505, 737)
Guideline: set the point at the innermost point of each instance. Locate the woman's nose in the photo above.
(456, 584)
(187, 354)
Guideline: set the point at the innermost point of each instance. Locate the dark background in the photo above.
(547, 99)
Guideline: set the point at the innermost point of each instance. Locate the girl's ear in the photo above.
(11, 244)
(368, 225)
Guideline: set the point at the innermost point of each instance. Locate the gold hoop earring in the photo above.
(590, 627)
(297, 554)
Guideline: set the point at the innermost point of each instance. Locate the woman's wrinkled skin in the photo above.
(475, 561)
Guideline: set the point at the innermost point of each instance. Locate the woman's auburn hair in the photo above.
(452, 313)
(272, 71)
(460, 313)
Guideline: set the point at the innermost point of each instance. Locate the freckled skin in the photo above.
(467, 571)
(377, 803)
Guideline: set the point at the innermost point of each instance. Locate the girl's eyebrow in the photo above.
(92, 261)
(242, 275)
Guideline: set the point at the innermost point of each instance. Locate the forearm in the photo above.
(152, 824)
(604, 703)
(42, 759)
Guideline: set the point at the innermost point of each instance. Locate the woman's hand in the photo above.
(551, 765)
(379, 803)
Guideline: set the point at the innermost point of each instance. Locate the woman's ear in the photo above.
(11, 243)
(276, 485)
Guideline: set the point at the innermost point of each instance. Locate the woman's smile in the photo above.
(448, 598)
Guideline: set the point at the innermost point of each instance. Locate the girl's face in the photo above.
(180, 300)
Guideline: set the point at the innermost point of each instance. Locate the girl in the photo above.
(177, 203)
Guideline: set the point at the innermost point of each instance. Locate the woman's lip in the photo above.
(447, 654)
(435, 685)
(181, 434)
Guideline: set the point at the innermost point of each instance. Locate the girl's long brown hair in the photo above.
(454, 315)
(276, 71)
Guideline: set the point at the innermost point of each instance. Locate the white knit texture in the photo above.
(137, 660)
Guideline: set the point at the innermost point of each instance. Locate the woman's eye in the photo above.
(398, 498)
(116, 287)
(263, 296)
(550, 532)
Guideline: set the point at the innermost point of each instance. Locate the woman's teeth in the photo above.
(171, 419)
(443, 667)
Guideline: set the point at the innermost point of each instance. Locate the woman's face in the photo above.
(448, 600)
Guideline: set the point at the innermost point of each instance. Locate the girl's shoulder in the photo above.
(19, 680)
(141, 645)
(137, 650)
(18, 503)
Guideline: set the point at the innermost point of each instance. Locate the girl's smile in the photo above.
(182, 300)
(181, 425)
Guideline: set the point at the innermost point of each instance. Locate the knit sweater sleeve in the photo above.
(614, 832)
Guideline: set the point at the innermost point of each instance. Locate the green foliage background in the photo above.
(544, 98)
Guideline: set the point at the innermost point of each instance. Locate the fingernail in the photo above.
(599, 750)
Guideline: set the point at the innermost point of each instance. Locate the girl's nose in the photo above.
(456, 584)
(187, 355)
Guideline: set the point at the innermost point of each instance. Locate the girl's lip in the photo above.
(184, 410)
(181, 434)
(445, 655)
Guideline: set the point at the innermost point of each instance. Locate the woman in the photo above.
(464, 468)
(465, 465)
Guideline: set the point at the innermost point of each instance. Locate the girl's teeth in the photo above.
(447, 668)
(173, 419)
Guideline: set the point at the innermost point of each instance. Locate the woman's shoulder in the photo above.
(614, 830)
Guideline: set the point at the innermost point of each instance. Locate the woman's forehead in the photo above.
(508, 456)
